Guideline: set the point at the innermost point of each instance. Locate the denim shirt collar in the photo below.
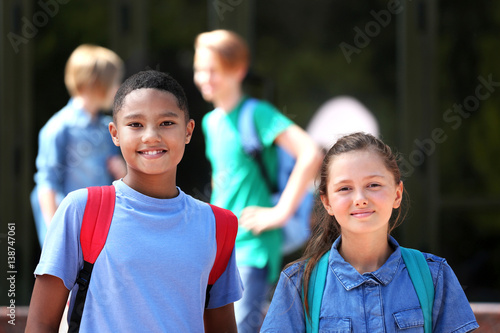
(350, 278)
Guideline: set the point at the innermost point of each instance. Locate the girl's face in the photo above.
(210, 76)
(361, 192)
(152, 132)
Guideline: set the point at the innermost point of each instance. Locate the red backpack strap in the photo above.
(94, 231)
(96, 221)
(226, 228)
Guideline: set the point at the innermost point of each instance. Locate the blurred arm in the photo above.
(308, 160)
(48, 205)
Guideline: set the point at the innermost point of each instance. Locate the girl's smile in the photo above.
(361, 192)
(363, 213)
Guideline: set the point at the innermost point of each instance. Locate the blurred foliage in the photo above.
(297, 56)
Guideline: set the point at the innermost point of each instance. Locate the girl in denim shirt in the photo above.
(368, 288)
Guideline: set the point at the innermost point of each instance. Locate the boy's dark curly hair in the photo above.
(151, 79)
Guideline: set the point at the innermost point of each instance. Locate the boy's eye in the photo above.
(134, 125)
(374, 185)
(167, 123)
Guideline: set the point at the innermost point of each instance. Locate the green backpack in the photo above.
(418, 270)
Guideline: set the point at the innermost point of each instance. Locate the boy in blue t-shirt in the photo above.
(153, 271)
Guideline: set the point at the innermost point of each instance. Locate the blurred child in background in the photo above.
(238, 181)
(75, 149)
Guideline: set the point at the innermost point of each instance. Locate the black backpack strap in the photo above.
(83, 282)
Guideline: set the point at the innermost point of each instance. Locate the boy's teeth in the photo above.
(152, 152)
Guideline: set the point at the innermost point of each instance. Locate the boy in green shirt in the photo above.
(220, 65)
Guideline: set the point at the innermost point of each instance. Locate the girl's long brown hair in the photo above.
(325, 227)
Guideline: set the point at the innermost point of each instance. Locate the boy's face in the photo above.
(151, 131)
(210, 76)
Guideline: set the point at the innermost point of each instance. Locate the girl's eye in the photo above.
(343, 189)
(374, 185)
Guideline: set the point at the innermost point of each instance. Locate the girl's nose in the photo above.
(360, 199)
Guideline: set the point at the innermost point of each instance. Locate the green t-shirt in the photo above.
(237, 181)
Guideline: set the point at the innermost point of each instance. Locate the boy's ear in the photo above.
(114, 133)
(326, 204)
(242, 72)
(189, 130)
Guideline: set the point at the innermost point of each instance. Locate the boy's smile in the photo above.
(152, 153)
(152, 133)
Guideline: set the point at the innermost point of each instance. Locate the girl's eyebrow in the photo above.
(375, 176)
(345, 180)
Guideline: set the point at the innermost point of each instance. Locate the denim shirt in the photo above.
(380, 301)
(73, 150)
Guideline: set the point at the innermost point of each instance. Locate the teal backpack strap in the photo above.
(315, 295)
(421, 277)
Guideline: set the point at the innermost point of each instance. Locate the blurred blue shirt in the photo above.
(380, 301)
(73, 150)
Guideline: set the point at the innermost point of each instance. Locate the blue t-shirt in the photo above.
(152, 273)
(380, 301)
(73, 150)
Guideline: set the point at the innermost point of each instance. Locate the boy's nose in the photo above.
(202, 77)
(151, 135)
